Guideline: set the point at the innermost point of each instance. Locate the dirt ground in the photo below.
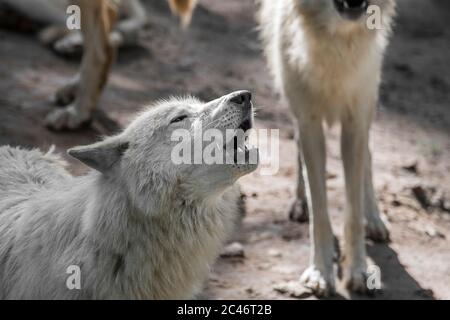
(221, 53)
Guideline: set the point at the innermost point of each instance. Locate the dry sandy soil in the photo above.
(221, 53)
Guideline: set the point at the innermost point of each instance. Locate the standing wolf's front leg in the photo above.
(319, 276)
(97, 19)
(354, 144)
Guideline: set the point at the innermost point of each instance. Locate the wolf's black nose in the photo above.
(241, 97)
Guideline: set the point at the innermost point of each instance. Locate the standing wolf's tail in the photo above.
(184, 8)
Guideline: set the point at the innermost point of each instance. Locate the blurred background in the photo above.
(220, 53)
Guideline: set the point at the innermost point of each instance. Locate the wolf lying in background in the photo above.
(138, 226)
(55, 34)
(327, 63)
(100, 35)
(52, 14)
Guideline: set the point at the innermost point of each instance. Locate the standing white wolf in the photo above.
(138, 226)
(327, 63)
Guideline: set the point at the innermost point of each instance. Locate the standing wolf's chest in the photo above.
(335, 73)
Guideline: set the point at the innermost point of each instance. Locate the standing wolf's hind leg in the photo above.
(298, 209)
(376, 229)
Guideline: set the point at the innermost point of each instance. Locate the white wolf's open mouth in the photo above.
(246, 124)
(239, 144)
(351, 9)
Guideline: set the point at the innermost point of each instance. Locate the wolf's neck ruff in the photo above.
(160, 254)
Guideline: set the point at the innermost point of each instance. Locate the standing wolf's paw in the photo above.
(355, 280)
(67, 118)
(298, 211)
(376, 229)
(320, 283)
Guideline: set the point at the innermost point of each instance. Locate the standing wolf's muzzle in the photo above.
(351, 9)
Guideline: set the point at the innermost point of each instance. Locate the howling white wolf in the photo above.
(137, 227)
(327, 62)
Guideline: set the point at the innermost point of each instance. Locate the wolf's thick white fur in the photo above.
(139, 227)
(329, 69)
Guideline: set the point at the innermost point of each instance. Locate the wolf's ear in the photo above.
(100, 156)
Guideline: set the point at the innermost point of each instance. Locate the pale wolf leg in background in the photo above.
(98, 19)
(327, 62)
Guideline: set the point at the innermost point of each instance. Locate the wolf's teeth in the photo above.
(363, 4)
(346, 6)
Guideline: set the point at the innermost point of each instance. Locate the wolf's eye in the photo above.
(178, 119)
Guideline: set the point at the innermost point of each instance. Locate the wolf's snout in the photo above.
(243, 98)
